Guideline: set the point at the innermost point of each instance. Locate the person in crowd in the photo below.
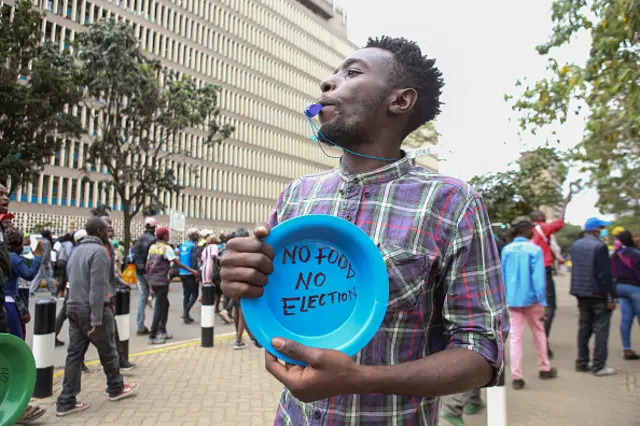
(189, 257)
(115, 282)
(211, 269)
(525, 283)
(46, 267)
(444, 268)
(592, 285)
(625, 269)
(161, 258)
(66, 245)
(31, 412)
(16, 308)
(542, 237)
(227, 303)
(140, 256)
(91, 319)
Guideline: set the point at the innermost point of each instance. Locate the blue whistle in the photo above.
(313, 110)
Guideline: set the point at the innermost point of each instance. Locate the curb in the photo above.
(164, 348)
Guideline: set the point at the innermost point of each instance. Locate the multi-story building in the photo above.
(267, 55)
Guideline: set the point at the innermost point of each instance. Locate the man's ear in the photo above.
(402, 101)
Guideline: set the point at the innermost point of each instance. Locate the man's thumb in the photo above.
(261, 230)
(295, 350)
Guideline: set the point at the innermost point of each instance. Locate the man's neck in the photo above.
(358, 164)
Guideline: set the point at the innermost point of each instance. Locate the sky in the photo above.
(482, 49)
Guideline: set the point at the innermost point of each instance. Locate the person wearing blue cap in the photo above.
(592, 285)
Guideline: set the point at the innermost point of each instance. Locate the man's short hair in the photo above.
(413, 70)
(95, 224)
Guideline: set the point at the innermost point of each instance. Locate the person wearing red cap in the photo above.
(159, 262)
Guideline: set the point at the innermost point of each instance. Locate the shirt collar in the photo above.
(381, 175)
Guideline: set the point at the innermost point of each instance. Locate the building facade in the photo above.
(268, 56)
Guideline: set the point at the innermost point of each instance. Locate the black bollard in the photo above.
(43, 345)
(123, 319)
(207, 317)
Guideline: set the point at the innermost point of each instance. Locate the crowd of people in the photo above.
(601, 279)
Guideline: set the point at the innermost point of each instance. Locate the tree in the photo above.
(535, 182)
(38, 88)
(607, 84)
(141, 111)
(424, 135)
(567, 236)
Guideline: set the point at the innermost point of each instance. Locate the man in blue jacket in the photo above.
(189, 258)
(592, 285)
(525, 284)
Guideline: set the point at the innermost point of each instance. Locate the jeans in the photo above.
(104, 341)
(532, 315)
(629, 308)
(190, 293)
(551, 301)
(595, 318)
(160, 311)
(143, 288)
(454, 404)
(62, 315)
(44, 273)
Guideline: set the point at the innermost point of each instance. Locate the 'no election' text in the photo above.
(306, 281)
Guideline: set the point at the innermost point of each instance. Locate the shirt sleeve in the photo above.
(552, 227)
(474, 313)
(538, 276)
(169, 254)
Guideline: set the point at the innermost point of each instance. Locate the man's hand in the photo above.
(93, 331)
(26, 319)
(245, 266)
(611, 305)
(328, 373)
(38, 250)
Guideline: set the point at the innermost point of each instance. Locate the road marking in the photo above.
(225, 336)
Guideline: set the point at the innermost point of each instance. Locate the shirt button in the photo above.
(366, 195)
(347, 217)
(341, 191)
(317, 414)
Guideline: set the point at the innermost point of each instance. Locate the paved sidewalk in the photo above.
(195, 386)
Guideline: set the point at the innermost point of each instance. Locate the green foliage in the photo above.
(142, 108)
(423, 135)
(567, 236)
(607, 84)
(632, 223)
(38, 85)
(39, 227)
(515, 193)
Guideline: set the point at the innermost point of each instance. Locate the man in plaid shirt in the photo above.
(446, 321)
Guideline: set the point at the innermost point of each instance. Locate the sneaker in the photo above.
(128, 391)
(80, 406)
(165, 336)
(85, 369)
(239, 345)
(187, 319)
(548, 375)
(630, 355)
(225, 316)
(156, 341)
(59, 342)
(605, 371)
(455, 421)
(471, 409)
(142, 332)
(517, 384)
(126, 366)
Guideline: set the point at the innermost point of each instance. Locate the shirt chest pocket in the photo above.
(408, 273)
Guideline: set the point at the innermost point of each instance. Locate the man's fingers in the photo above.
(261, 230)
(297, 351)
(244, 275)
(236, 290)
(276, 369)
(247, 260)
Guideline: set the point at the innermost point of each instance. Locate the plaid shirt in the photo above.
(445, 282)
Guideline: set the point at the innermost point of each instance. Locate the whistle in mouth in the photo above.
(313, 110)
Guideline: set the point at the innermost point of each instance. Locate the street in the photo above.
(175, 325)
